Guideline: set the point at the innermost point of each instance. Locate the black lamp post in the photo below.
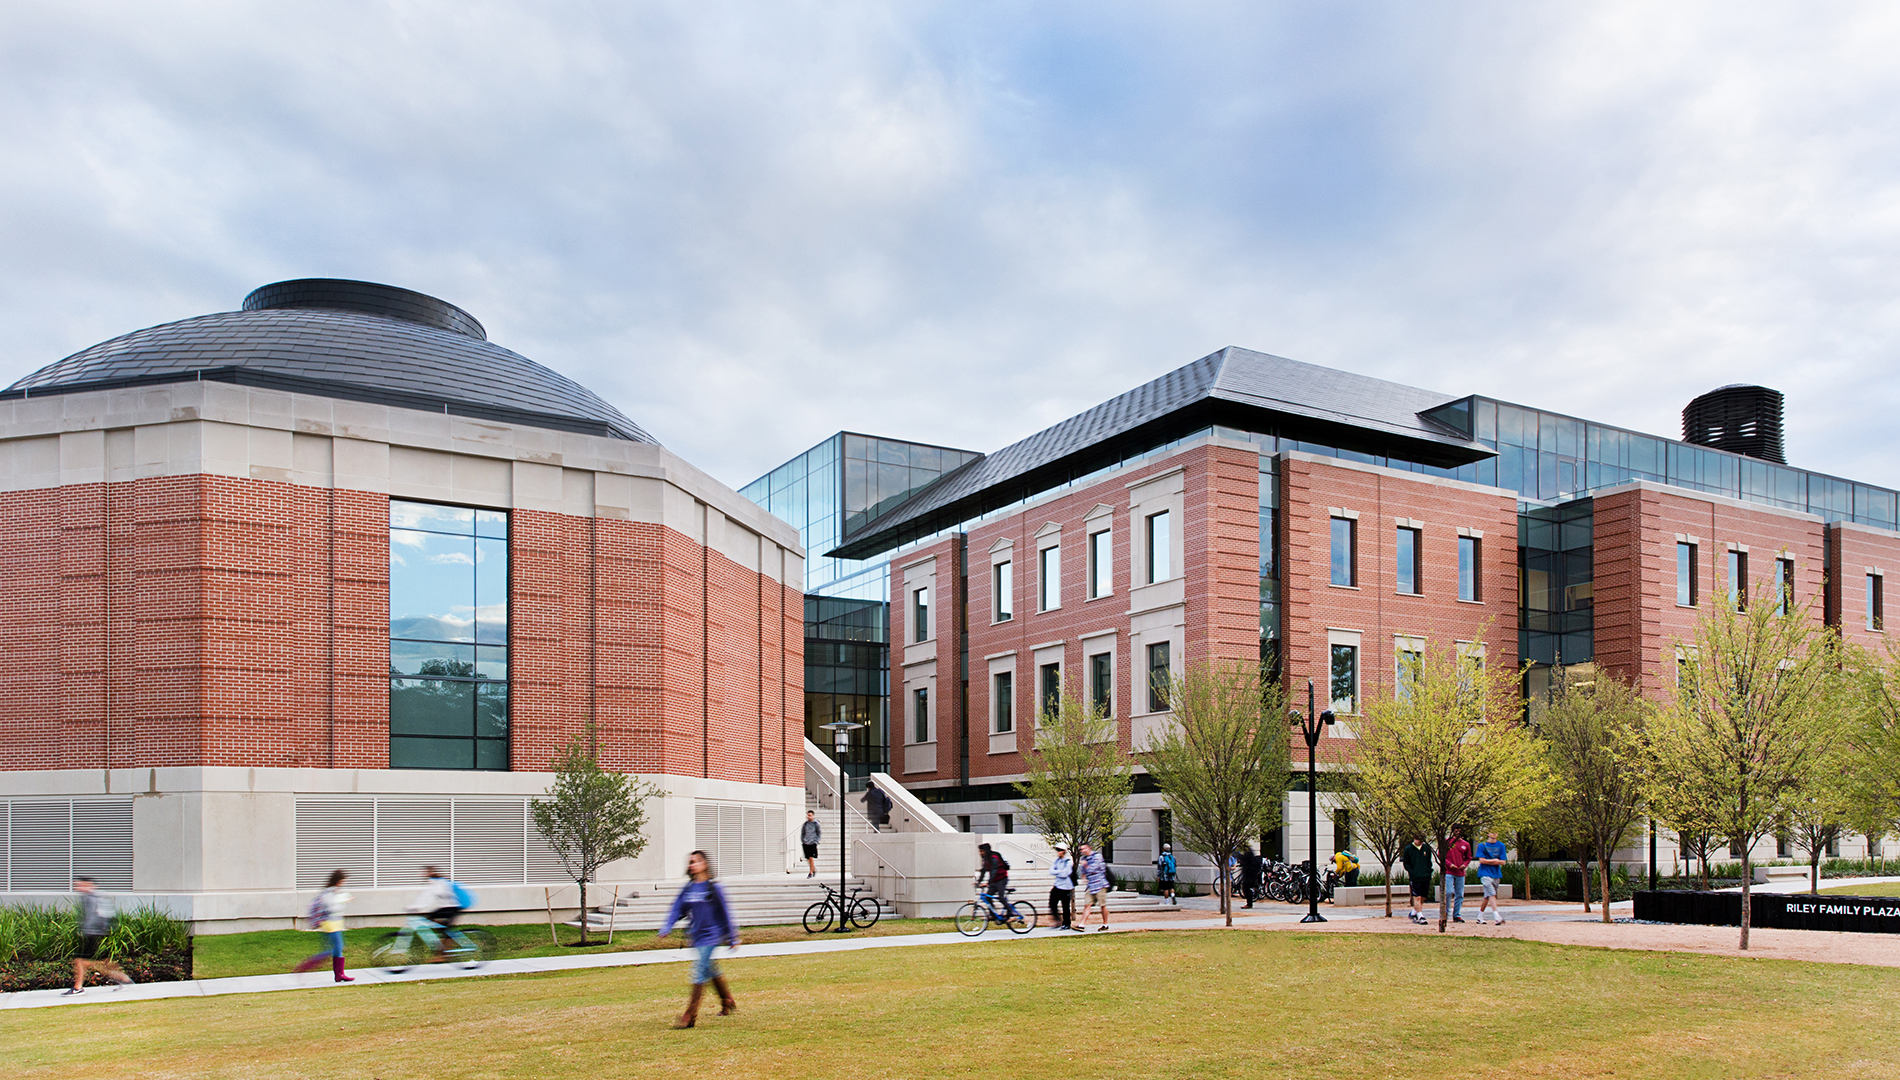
(841, 730)
(1312, 725)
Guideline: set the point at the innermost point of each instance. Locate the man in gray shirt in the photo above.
(808, 838)
(95, 922)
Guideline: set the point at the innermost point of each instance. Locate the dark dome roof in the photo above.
(344, 339)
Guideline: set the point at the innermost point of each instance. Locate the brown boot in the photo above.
(691, 1015)
(727, 1004)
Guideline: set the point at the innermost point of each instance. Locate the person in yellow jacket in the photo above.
(1346, 865)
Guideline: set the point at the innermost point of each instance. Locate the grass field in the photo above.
(267, 952)
(1186, 1003)
(1889, 888)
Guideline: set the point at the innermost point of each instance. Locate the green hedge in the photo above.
(38, 943)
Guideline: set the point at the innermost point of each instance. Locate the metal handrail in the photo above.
(882, 865)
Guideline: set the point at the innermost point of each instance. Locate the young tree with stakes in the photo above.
(1077, 781)
(1750, 724)
(1592, 730)
(592, 816)
(1223, 764)
(1450, 749)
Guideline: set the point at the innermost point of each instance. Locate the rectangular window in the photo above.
(1685, 575)
(1004, 587)
(1408, 561)
(448, 637)
(1102, 683)
(1876, 602)
(1002, 695)
(1159, 547)
(1342, 830)
(1406, 670)
(1738, 580)
(1345, 678)
(1050, 573)
(1784, 585)
(920, 715)
(920, 614)
(1160, 677)
(1051, 689)
(1007, 821)
(1101, 564)
(1468, 567)
(1345, 561)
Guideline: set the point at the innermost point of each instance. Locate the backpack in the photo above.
(1000, 866)
(316, 913)
(463, 898)
(1167, 864)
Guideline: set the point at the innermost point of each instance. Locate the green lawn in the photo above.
(267, 952)
(1181, 1003)
(1891, 888)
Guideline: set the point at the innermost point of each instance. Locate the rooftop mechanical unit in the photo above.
(1741, 419)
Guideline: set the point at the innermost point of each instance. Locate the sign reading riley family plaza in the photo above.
(1859, 914)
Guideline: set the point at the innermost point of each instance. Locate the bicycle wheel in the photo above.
(399, 952)
(484, 945)
(818, 917)
(1021, 917)
(864, 913)
(972, 919)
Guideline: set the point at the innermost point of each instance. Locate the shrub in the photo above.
(50, 933)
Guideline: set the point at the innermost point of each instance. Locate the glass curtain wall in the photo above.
(448, 637)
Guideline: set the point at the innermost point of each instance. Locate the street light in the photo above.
(1312, 725)
(841, 730)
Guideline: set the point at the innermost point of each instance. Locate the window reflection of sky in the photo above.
(448, 623)
(447, 588)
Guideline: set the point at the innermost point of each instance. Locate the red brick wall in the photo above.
(1852, 549)
(1637, 619)
(214, 637)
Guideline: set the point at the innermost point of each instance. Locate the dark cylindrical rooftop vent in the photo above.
(1742, 419)
(367, 297)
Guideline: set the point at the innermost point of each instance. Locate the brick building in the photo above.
(327, 581)
(1248, 506)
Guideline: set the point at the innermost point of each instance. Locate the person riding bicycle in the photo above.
(442, 901)
(992, 875)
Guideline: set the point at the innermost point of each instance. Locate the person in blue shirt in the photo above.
(1491, 857)
(1095, 870)
(710, 924)
(1164, 874)
(1062, 890)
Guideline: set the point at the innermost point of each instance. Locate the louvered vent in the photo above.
(490, 843)
(411, 834)
(47, 841)
(102, 842)
(736, 837)
(335, 834)
(387, 842)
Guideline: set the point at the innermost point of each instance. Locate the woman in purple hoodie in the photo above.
(703, 903)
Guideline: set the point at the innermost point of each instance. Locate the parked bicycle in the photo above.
(420, 940)
(1018, 916)
(837, 909)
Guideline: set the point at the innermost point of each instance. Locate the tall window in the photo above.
(1102, 682)
(1050, 575)
(1468, 568)
(1345, 678)
(1005, 592)
(1408, 560)
(1406, 669)
(1685, 575)
(920, 715)
(1738, 580)
(1003, 696)
(448, 637)
(1160, 677)
(1876, 602)
(1784, 585)
(1101, 565)
(1158, 546)
(1342, 830)
(920, 614)
(1051, 689)
(1345, 561)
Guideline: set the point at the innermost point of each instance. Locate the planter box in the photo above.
(1776, 911)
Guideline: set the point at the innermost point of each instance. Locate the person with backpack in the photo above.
(992, 875)
(442, 901)
(709, 924)
(877, 807)
(1164, 874)
(95, 922)
(326, 918)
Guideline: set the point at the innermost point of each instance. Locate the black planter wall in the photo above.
(1778, 911)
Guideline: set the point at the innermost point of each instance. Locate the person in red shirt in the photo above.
(1457, 861)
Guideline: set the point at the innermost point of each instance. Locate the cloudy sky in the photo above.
(751, 225)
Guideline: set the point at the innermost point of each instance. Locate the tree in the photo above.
(1749, 725)
(1077, 779)
(1872, 696)
(1449, 748)
(1592, 732)
(1379, 826)
(1223, 764)
(592, 816)
(1818, 814)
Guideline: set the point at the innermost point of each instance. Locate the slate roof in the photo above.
(1236, 387)
(352, 340)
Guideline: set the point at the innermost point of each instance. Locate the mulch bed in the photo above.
(15, 975)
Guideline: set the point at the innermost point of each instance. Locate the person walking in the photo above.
(1249, 874)
(1165, 871)
(1491, 858)
(1457, 864)
(808, 836)
(1095, 871)
(709, 924)
(877, 807)
(95, 922)
(326, 918)
(1417, 857)
(1062, 890)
